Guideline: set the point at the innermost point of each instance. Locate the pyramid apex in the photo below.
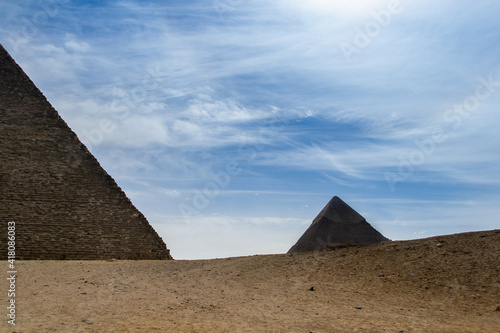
(336, 199)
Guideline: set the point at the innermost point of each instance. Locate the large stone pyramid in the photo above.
(63, 203)
(337, 224)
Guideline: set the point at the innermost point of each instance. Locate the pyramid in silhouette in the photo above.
(53, 192)
(336, 225)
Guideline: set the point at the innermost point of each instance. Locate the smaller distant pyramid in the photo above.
(337, 224)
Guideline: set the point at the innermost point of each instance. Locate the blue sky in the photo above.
(230, 123)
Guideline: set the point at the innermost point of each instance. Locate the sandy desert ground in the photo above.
(441, 284)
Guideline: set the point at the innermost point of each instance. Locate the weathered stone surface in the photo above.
(64, 204)
(337, 225)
